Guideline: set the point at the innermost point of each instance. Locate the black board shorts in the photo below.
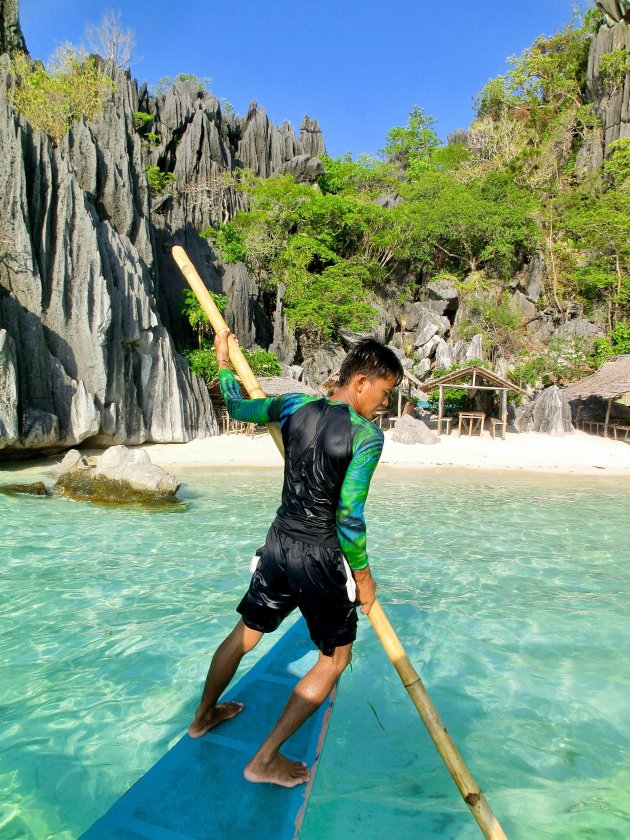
(314, 578)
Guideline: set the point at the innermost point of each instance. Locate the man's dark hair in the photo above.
(372, 359)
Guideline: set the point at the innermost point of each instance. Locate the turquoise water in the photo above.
(510, 594)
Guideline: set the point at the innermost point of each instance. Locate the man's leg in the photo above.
(222, 668)
(308, 695)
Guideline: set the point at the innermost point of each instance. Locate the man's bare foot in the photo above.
(213, 717)
(279, 771)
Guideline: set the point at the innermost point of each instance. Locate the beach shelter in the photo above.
(610, 382)
(473, 378)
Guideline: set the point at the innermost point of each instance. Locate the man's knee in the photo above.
(341, 658)
(242, 639)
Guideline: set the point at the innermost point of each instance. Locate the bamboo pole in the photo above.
(217, 322)
(468, 788)
(607, 420)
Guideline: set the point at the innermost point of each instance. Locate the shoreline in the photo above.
(577, 454)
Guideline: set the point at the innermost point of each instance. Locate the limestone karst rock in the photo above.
(611, 101)
(11, 37)
(550, 413)
(198, 139)
(90, 298)
(408, 429)
(77, 289)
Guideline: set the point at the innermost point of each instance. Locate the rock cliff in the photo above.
(89, 296)
(11, 37)
(196, 138)
(611, 99)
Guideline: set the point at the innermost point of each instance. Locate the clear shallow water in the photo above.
(511, 596)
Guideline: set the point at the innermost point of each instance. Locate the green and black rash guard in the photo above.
(331, 453)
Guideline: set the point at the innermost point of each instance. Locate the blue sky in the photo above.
(357, 67)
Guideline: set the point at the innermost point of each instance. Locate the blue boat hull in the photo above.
(197, 790)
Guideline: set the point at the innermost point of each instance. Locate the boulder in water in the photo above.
(37, 488)
(121, 475)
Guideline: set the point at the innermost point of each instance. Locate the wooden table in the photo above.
(474, 419)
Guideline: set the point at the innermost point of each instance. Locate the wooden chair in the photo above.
(618, 427)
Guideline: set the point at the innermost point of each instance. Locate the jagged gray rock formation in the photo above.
(91, 358)
(11, 37)
(320, 363)
(549, 413)
(199, 141)
(9, 427)
(611, 101)
(530, 280)
(443, 293)
(90, 297)
(615, 10)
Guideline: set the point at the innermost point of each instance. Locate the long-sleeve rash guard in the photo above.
(331, 453)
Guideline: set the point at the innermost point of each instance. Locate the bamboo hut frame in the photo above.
(476, 373)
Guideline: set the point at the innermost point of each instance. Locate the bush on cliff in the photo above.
(159, 182)
(52, 100)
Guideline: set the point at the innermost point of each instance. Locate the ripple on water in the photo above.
(511, 601)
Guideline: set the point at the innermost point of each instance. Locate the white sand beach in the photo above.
(578, 453)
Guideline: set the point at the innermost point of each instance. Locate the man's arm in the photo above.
(351, 528)
(263, 410)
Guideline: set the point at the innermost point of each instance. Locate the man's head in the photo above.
(371, 371)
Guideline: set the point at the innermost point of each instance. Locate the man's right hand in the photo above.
(221, 346)
(366, 588)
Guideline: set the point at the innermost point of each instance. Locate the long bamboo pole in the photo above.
(468, 788)
(217, 322)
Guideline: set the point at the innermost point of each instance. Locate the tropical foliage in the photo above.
(51, 100)
(472, 211)
(203, 362)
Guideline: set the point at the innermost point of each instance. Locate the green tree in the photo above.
(195, 314)
(203, 362)
(545, 79)
(597, 228)
(410, 146)
(482, 223)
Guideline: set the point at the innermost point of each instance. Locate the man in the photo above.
(314, 556)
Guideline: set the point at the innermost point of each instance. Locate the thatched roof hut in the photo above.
(611, 381)
(475, 376)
